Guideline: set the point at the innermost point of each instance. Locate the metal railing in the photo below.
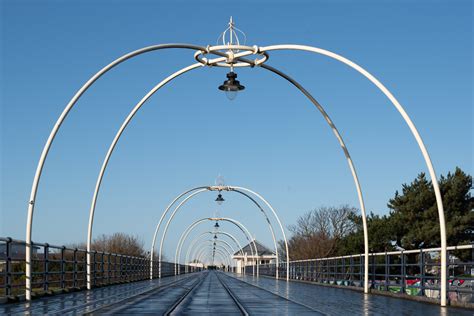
(410, 272)
(59, 268)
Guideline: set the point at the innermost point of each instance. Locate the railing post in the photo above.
(146, 267)
(404, 273)
(8, 267)
(327, 271)
(140, 268)
(318, 271)
(311, 277)
(373, 271)
(116, 270)
(387, 272)
(447, 277)
(135, 268)
(123, 267)
(131, 271)
(46, 267)
(308, 270)
(74, 269)
(422, 273)
(63, 268)
(127, 268)
(351, 270)
(131, 267)
(84, 264)
(109, 266)
(94, 269)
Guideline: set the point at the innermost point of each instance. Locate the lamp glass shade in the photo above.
(219, 199)
(231, 95)
(231, 86)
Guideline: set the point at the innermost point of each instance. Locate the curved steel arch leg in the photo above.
(277, 218)
(275, 244)
(109, 154)
(160, 254)
(116, 139)
(52, 136)
(349, 161)
(251, 241)
(159, 225)
(125, 124)
(414, 131)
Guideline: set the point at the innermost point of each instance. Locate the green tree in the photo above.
(380, 234)
(414, 214)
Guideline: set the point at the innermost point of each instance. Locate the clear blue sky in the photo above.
(270, 139)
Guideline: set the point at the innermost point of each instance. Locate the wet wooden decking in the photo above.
(216, 293)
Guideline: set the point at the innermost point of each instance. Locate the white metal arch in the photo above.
(349, 161)
(183, 238)
(219, 242)
(114, 142)
(52, 135)
(335, 131)
(219, 245)
(236, 223)
(248, 237)
(414, 131)
(209, 248)
(206, 257)
(206, 246)
(232, 237)
(256, 49)
(218, 188)
(225, 244)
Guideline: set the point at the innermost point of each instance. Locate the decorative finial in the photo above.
(231, 35)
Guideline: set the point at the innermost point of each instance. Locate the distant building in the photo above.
(196, 264)
(245, 257)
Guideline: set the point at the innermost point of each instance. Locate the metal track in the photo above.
(233, 296)
(149, 291)
(276, 294)
(181, 299)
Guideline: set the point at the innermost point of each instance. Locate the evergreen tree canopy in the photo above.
(414, 214)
